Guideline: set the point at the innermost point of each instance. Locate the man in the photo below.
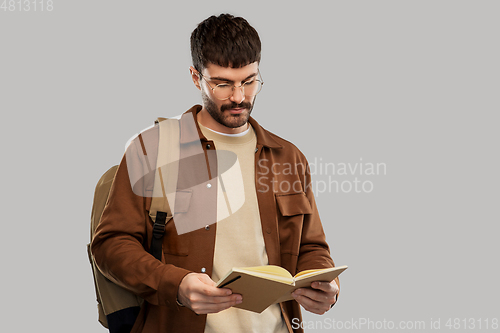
(276, 223)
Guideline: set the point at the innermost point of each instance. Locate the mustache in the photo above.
(233, 105)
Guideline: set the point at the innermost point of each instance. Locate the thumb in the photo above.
(207, 280)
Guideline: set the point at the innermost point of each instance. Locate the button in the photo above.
(207, 227)
(208, 146)
(268, 230)
(209, 185)
(203, 269)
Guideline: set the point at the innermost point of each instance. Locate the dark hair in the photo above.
(226, 41)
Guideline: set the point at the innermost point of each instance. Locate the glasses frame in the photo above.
(240, 86)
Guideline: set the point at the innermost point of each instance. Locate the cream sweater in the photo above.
(239, 241)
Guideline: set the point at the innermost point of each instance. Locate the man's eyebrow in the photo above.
(231, 81)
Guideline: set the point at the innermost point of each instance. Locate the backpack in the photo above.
(117, 307)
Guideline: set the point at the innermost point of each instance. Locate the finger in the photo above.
(315, 301)
(315, 295)
(326, 286)
(217, 304)
(206, 279)
(215, 292)
(311, 305)
(210, 294)
(200, 298)
(211, 290)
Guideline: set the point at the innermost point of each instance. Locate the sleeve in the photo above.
(120, 239)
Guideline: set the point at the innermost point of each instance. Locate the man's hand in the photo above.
(320, 299)
(197, 291)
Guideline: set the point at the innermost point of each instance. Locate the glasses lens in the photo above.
(225, 91)
(252, 88)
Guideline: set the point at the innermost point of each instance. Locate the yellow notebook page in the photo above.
(306, 273)
(271, 272)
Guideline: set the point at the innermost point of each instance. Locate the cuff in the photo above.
(169, 285)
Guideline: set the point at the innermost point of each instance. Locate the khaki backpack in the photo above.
(117, 307)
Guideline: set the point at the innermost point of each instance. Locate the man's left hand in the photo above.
(319, 299)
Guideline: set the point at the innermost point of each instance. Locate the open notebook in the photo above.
(262, 286)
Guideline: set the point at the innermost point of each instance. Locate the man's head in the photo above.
(226, 41)
(226, 50)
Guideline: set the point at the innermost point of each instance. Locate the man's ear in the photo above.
(195, 77)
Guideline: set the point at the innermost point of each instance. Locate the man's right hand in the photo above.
(197, 292)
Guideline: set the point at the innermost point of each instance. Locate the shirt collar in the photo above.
(189, 134)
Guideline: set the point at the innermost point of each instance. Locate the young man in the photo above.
(274, 221)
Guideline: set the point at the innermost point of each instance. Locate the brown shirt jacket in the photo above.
(292, 230)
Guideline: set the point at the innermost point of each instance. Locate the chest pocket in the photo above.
(292, 208)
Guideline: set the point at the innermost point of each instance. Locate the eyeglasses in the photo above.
(224, 91)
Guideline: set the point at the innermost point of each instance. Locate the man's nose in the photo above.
(238, 95)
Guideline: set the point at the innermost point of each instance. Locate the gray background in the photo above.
(412, 84)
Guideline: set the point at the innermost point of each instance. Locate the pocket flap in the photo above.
(182, 200)
(293, 204)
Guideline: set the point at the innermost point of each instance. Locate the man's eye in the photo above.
(249, 83)
(223, 86)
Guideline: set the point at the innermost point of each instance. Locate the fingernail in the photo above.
(238, 301)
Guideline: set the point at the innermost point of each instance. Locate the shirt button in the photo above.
(208, 146)
(203, 269)
(207, 227)
(209, 185)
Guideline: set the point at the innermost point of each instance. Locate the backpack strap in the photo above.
(165, 183)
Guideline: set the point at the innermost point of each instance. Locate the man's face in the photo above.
(235, 111)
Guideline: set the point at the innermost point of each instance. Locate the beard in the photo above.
(225, 118)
